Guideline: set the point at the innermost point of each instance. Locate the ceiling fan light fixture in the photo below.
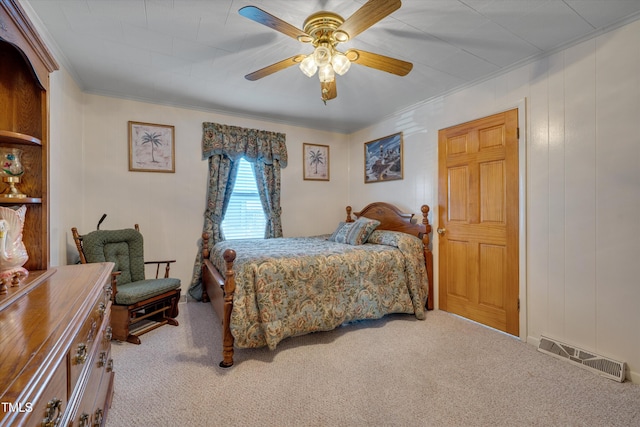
(308, 66)
(326, 73)
(324, 30)
(340, 63)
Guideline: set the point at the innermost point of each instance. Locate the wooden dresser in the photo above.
(55, 348)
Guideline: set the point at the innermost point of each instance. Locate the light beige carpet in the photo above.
(397, 371)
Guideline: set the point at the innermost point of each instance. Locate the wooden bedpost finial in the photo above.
(427, 227)
(229, 255)
(425, 217)
(205, 245)
(349, 209)
(425, 211)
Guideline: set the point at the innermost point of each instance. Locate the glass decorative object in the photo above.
(11, 170)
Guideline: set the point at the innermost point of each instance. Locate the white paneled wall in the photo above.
(617, 247)
(582, 185)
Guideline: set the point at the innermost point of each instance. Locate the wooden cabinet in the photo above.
(25, 64)
(55, 338)
(55, 349)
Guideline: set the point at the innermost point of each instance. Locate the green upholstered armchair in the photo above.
(139, 305)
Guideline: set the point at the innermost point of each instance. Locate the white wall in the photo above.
(582, 185)
(168, 206)
(66, 183)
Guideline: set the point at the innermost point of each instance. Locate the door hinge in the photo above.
(518, 133)
(518, 304)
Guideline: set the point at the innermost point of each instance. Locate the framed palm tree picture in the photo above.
(151, 147)
(315, 160)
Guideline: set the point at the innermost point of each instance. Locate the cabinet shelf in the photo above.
(18, 138)
(20, 201)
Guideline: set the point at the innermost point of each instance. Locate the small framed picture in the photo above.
(383, 159)
(315, 160)
(151, 147)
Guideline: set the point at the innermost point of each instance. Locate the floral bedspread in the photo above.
(294, 286)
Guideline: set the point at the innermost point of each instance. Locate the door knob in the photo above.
(441, 231)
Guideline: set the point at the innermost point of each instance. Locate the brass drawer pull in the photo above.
(103, 359)
(84, 420)
(97, 418)
(108, 334)
(102, 307)
(81, 353)
(110, 365)
(52, 413)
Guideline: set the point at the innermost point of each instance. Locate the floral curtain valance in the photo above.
(236, 142)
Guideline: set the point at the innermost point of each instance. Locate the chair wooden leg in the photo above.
(120, 322)
(173, 308)
(133, 339)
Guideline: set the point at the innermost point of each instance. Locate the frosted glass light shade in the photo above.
(340, 63)
(322, 55)
(326, 74)
(308, 66)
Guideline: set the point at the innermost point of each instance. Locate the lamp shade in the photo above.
(326, 73)
(340, 63)
(308, 66)
(322, 55)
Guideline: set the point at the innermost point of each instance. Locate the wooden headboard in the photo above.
(393, 219)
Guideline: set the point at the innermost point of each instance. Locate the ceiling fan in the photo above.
(324, 31)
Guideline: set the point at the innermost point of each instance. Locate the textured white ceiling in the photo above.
(195, 53)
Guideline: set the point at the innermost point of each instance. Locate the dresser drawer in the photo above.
(90, 410)
(105, 392)
(83, 344)
(87, 414)
(51, 403)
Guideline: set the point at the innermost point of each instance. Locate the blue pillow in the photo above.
(354, 233)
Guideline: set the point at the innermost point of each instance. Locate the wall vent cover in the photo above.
(609, 368)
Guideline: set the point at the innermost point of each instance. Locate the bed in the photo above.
(266, 290)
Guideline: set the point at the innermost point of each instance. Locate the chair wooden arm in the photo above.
(166, 269)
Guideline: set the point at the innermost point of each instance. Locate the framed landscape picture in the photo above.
(315, 160)
(151, 147)
(383, 159)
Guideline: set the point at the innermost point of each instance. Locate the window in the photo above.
(244, 218)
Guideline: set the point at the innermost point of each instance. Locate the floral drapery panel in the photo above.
(223, 146)
(268, 183)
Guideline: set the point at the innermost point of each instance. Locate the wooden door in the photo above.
(478, 220)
